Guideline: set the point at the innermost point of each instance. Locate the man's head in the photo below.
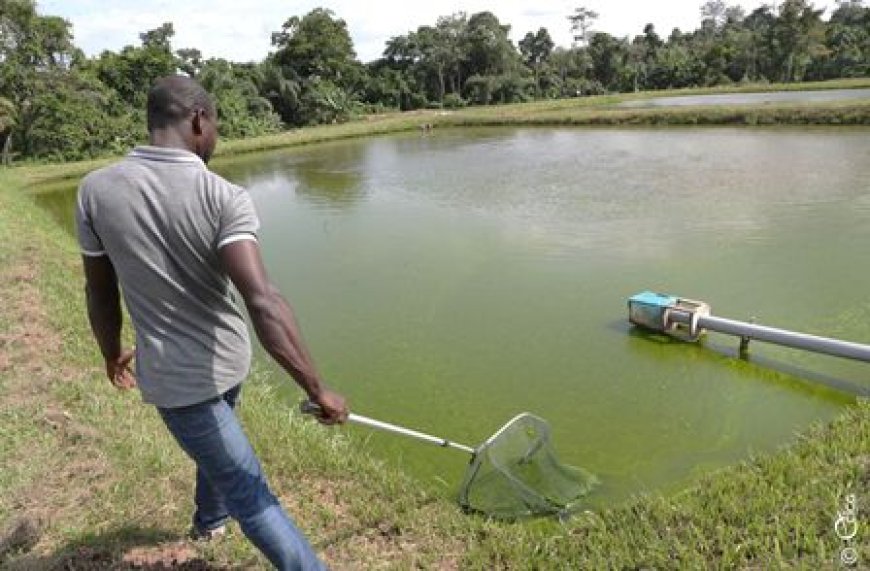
(181, 113)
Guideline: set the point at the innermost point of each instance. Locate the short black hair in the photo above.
(173, 98)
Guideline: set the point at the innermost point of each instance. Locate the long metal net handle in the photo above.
(308, 407)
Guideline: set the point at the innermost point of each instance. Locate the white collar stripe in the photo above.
(165, 155)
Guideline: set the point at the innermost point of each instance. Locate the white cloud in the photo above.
(241, 31)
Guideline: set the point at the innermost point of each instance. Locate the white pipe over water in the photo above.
(793, 339)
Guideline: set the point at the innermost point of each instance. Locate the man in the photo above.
(174, 235)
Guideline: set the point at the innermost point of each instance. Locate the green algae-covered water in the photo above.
(449, 280)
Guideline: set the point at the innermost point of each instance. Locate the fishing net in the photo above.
(516, 474)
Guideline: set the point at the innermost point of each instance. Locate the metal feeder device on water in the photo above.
(688, 319)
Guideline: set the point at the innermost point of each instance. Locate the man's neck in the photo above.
(168, 139)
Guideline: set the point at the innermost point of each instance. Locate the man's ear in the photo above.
(198, 115)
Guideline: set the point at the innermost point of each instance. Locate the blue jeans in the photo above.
(230, 482)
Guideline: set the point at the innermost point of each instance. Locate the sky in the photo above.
(241, 31)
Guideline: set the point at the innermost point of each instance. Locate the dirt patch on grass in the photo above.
(28, 342)
(176, 555)
(55, 449)
(170, 556)
(30, 349)
(348, 539)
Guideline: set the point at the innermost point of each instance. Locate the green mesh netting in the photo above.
(516, 474)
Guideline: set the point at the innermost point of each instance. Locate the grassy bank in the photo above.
(90, 479)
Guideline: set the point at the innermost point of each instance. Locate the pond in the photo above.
(751, 98)
(447, 281)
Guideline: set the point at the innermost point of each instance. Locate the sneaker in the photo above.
(197, 534)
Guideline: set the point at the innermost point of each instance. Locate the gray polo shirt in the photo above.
(161, 217)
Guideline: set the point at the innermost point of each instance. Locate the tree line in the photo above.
(56, 103)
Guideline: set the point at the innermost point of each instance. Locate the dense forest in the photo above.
(58, 104)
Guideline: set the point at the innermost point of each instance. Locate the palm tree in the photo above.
(282, 92)
(7, 122)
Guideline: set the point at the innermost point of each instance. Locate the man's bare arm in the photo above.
(276, 325)
(104, 314)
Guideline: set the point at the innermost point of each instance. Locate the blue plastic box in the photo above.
(649, 309)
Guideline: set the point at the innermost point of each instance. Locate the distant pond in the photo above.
(751, 98)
